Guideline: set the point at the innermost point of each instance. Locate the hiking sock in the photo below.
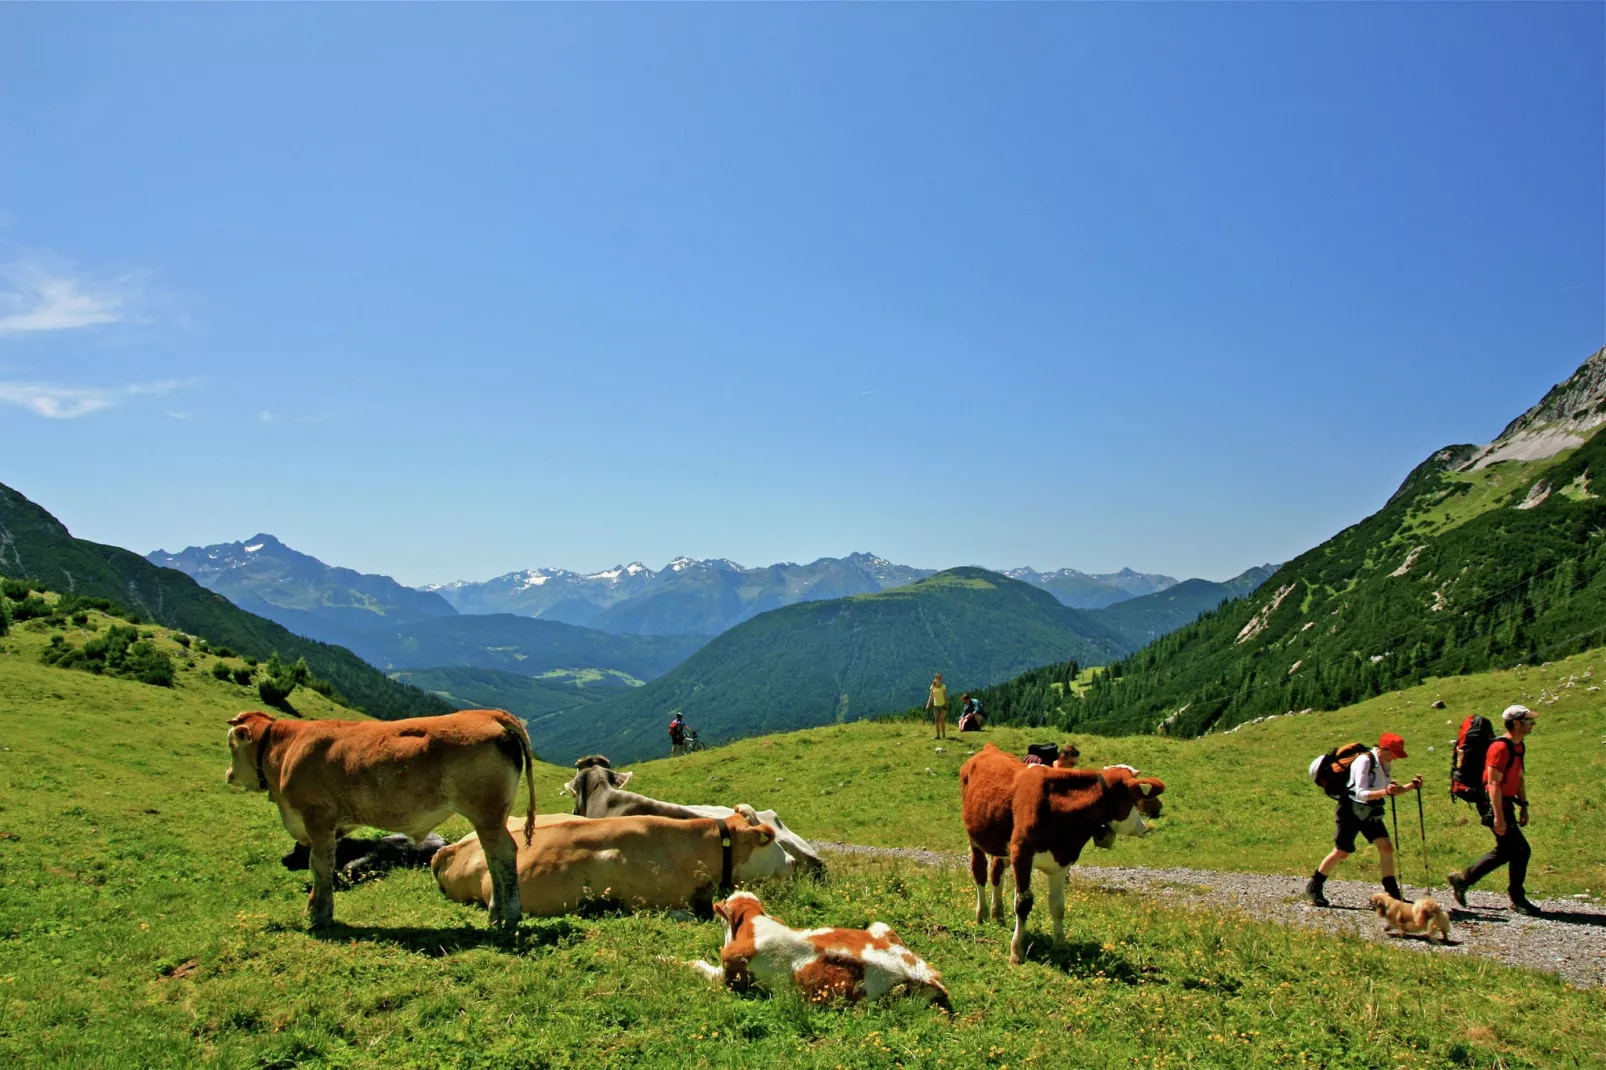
(1392, 886)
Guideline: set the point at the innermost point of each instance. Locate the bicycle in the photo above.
(693, 744)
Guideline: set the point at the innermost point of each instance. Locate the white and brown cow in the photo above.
(639, 862)
(328, 777)
(598, 791)
(821, 964)
(1042, 816)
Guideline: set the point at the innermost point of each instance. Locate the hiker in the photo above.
(937, 703)
(1504, 809)
(1360, 811)
(677, 735)
(970, 719)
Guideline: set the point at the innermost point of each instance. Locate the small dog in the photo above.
(1423, 916)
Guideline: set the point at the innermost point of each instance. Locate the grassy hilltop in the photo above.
(145, 921)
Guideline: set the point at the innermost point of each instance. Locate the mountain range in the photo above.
(35, 545)
(1486, 556)
(818, 661)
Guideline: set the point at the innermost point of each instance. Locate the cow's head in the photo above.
(1134, 798)
(592, 781)
(737, 912)
(246, 733)
(757, 854)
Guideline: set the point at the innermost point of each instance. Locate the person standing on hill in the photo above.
(1504, 808)
(1361, 812)
(937, 703)
(677, 735)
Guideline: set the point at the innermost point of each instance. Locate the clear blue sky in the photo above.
(446, 291)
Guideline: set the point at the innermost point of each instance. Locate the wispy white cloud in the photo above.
(41, 292)
(70, 402)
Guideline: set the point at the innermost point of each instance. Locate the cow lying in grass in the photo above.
(1040, 816)
(598, 792)
(822, 964)
(637, 862)
(328, 777)
(359, 858)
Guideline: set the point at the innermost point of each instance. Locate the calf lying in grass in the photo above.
(359, 858)
(821, 964)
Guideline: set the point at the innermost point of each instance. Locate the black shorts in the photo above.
(1349, 824)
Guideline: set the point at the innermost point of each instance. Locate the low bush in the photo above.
(17, 590)
(29, 608)
(243, 675)
(223, 652)
(182, 640)
(220, 669)
(120, 652)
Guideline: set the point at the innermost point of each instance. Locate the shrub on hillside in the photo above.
(182, 640)
(243, 675)
(120, 652)
(17, 590)
(220, 669)
(80, 618)
(30, 608)
(280, 680)
(5, 619)
(223, 652)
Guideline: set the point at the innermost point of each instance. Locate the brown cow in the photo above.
(641, 862)
(329, 777)
(1036, 815)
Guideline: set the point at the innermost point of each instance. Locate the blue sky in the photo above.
(446, 291)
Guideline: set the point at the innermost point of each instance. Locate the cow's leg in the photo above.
(1056, 900)
(321, 901)
(502, 859)
(978, 873)
(1021, 861)
(999, 865)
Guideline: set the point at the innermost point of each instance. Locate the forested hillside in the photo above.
(1139, 621)
(36, 545)
(818, 662)
(1483, 558)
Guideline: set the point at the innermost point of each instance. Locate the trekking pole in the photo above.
(1422, 825)
(1395, 815)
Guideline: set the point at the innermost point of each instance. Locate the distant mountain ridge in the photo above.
(1083, 590)
(34, 544)
(813, 662)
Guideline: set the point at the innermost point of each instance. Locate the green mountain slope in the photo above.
(1139, 621)
(523, 645)
(528, 697)
(1483, 558)
(818, 662)
(35, 544)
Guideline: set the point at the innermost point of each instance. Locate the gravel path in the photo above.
(1570, 941)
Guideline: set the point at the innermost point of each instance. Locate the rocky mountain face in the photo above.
(1084, 590)
(262, 573)
(1563, 419)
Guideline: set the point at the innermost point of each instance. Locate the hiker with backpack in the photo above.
(677, 735)
(1494, 782)
(1358, 779)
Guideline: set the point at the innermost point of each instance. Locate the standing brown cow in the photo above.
(1042, 816)
(329, 777)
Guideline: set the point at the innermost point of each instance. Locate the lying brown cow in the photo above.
(329, 777)
(639, 862)
(1037, 815)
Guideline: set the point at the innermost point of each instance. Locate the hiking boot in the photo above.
(1392, 887)
(1525, 908)
(1313, 891)
(1458, 887)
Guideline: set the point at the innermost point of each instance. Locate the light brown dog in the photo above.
(1423, 916)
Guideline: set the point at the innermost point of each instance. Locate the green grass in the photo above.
(1238, 801)
(1486, 489)
(145, 921)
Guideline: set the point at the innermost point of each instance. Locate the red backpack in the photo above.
(1466, 765)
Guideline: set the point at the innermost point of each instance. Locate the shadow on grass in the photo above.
(1083, 958)
(441, 941)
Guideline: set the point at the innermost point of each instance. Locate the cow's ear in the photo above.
(765, 834)
(238, 718)
(719, 908)
(1145, 787)
(619, 780)
(239, 734)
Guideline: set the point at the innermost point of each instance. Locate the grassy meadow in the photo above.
(145, 921)
(1238, 801)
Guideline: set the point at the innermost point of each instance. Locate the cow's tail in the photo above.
(515, 726)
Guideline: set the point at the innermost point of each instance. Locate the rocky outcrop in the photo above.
(1563, 419)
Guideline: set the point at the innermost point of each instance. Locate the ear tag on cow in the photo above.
(725, 841)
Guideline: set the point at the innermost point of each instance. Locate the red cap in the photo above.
(1390, 741)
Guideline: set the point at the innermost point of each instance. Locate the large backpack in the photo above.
(1330, 772)
(1471, 752)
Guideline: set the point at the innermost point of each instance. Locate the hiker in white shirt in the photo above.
(1361, 813)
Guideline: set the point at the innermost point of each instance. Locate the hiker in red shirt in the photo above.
(1505, 810)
